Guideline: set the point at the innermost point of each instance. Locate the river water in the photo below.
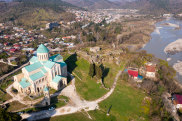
(161, 37)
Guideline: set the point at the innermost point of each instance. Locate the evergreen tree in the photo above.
(92, 70)
(6, 116)
(98, 72)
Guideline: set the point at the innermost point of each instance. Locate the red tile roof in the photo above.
(133, 73)
(150, 68)
(178, 98)
(12, 50)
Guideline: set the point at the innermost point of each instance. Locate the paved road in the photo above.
(6, 75)
(77, 104)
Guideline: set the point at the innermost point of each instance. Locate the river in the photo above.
(161, 37)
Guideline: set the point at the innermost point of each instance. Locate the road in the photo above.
(77, 104)
(6, 75)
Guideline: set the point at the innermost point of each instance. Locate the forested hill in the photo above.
(94, 4)
(56, 5)
(33, 12)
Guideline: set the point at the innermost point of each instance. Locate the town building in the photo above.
(44, 71)
(150, 70)
(177, 100)
(134, 74)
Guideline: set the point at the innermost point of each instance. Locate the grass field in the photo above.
(15, 105)
(82, 116)
(87, 87)
(126, 102)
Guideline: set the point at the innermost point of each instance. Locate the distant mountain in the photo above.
(32, 12)
(94, 4)
(145, 6)
(156, 6)
(5, 0)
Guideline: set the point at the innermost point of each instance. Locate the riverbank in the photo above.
(177, 66)
(174, 47)
(171, 25)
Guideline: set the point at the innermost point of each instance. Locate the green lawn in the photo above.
(58, 101)
(4, 97)
(87, 87)
(15, 105)
(82, 116)
(126, 103)
(113, 70)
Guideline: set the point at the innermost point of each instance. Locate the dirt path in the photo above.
(77, 103)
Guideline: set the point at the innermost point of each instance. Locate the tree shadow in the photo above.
(105, 71)
(54, 102)
(71, 62)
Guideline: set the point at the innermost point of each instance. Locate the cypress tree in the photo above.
(92, 70)
(98, 72)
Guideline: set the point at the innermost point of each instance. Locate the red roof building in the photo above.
(177, 99)
(133, 72)
(13, 50)
(150, 68)
(6, 44)
(16, 46)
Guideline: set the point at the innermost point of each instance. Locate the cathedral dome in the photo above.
(42, 49)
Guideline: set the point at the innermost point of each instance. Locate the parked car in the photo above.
(52, 108)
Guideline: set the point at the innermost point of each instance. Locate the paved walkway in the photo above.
(77, 104)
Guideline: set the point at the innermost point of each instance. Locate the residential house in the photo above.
(177, 100)
(150, 70)
(12, 50)
(133, 73)
(11, 59)
(17, 46)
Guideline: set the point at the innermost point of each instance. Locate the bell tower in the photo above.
(46, 96)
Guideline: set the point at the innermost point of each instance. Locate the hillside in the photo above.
(156, 6)
(32, 12)
(145, 6)
(94, 4)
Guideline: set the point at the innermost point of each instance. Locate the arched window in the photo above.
(38, 89)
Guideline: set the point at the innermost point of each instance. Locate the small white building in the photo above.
(150, 70)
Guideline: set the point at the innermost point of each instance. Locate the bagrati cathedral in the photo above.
(43, 72)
